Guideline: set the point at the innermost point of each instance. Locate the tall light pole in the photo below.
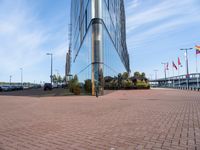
(10, 79)
(21, 69)
(187, 66)
(51, 65)
(155, 73)
(150, 76)
(165, 69)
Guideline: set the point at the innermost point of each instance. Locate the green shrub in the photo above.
(71, 85)
(142, 85)
(113, 84)
(88, 86)
(74, 86)
(128, 84)
(77, 90)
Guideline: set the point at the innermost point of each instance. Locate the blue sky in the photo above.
(156, 30)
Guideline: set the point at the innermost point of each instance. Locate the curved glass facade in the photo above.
(98, 40)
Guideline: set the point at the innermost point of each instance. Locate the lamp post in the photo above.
(197, 72)
(10, 79)
(187, 66)
(50, 54)
(165, 69)
(21, 69)
(150, 76)
(155, 73)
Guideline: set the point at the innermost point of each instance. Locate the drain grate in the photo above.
(153, 99)
(123, 99)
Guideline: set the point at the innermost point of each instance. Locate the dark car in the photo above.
(47, 86)
(13, 88)
(1, 89)
(19, 88)
(6, 88)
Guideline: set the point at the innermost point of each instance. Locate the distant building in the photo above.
(67, 66)
(98, 40)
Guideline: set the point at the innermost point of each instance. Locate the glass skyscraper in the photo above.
(98, 40)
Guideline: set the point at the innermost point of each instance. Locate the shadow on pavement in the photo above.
(41, 93)
(38, 93)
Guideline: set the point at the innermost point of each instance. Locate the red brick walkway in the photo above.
(153, 119)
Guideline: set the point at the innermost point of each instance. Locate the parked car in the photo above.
(1, 89)
(48, 86)
(55, 85)
(13, 88)
(64, 86)
(6, 88)
(19, 88)
(37, 86)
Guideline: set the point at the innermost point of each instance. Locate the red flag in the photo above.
(179, 62)
(174, 65)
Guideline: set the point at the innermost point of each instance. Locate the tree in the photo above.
(54, 78)
(143, 76)
(88, 86)
(136, 74)
(75, 78)
(74, 85)
(59, 79)
(125, 76)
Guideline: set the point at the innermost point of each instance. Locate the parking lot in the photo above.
(135, 119)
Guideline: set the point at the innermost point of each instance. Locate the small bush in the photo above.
(142, 85)
(74, 86)
(77, 90)
(88, 86)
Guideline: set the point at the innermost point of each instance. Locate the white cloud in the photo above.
(148, 22)
(133, 4)
(20, 38)
(25, 39)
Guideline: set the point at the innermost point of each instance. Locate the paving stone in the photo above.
(147, 119)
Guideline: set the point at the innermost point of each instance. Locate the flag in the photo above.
(179, 62)
(174, 65)
(167, 66)
(197, 49)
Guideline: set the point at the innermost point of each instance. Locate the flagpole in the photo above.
(197, 71)
(165, 72)
(179, 75)
(187, 66)
(173, 74)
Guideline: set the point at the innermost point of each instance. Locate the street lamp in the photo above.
(21, 76)
(150, 76)
(155, 73)
(50, 54)
(165, 69)
(187, 67)
(10, 79)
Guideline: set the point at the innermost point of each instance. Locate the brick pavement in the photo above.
(122, 120)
